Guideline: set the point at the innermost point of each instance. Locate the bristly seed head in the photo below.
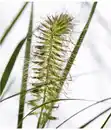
(49, 54)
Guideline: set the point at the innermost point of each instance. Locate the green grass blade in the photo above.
(79, 42)
(10, 65)
(46, 103)
(93, 119)
(12, 23)
(107, 119)
(28, 90)
(26, 65)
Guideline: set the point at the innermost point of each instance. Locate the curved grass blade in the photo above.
(56, 100)
(107, 119)
(25, 70)
(90, 121)
(82, 111)
(12, 24)
(10, 65)
(38, 86)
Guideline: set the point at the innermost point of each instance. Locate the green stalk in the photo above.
(47, 78)
(25, 71)
(13, 23)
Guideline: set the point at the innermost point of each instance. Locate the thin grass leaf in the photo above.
(25, 70)
(10, 65)
(72, 116)
(13, 23)
(93, 119)
(17, 94)
(107, 119)
(39, 85)
(79, 42)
